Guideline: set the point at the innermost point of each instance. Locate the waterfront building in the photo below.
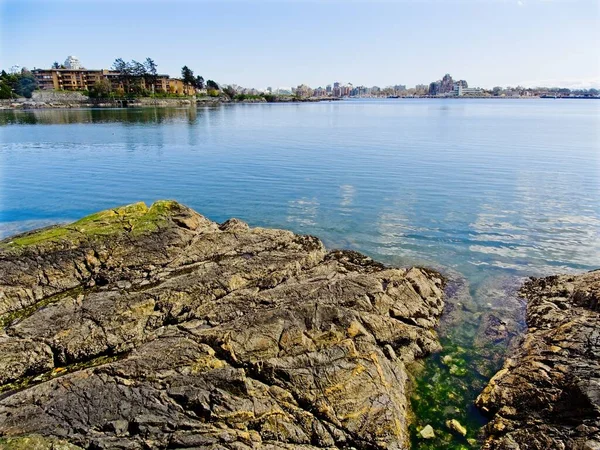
(71, 79)
(86, 79)
(459, 90)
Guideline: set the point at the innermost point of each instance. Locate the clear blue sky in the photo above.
(286, 42)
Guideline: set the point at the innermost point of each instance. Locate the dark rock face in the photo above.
(157, 328)
(547, 396)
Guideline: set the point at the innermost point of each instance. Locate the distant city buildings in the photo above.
(459, 90)
(72, 63)
(72, 76)
(337, 92)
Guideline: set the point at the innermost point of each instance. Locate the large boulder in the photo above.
(156, 328)
(547, 395)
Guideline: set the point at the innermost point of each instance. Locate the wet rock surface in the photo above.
(157, 328)
(547, 395)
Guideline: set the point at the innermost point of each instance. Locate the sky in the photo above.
(288, 42)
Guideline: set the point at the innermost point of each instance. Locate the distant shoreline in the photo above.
(68, 102)
(148, 102)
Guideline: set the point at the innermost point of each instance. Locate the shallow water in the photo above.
(489, 191)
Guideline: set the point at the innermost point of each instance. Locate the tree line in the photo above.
(187, 75)
(132, 73)
(137, 78)
(13, 85)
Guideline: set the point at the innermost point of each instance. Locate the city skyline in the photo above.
(260, 43)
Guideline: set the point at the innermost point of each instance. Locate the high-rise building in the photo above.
(337, 92)
(72, 63)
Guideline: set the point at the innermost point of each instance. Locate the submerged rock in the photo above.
(154, 327)
(455, 425)
(548, 393)
(427, 432)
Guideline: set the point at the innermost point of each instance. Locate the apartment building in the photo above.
(85, 79)
(70, 79)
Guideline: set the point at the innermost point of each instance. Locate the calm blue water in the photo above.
(476, 185)
(487, 189)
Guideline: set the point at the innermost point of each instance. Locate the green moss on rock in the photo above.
(136, 218)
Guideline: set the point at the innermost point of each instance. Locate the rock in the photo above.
(501, 325)
(454, 425)
(591, 445)
(154, 327)
(547, 395)
(35, 442)
(427, 432)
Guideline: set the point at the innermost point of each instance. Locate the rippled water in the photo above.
(488, 190)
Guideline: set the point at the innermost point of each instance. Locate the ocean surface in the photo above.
(488, 191)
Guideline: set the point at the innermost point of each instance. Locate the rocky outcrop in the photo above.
(58, 96)
(547, 396)
(156, 328)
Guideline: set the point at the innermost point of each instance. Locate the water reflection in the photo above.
(102, 115)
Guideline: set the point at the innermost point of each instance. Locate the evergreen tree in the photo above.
(187, 75)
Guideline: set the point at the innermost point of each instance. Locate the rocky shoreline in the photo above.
(74, 100)
(547, 395)
(156, 328)
(153, 327)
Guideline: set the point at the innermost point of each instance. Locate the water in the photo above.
(489, 191)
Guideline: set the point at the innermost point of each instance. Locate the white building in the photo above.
(459, 90)
(72, 63)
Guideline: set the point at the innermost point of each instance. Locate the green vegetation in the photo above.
(187, 75)
(445, 388)
(199, 82)
(210, 84)
(136, 219)
(131, 75)
(101, 89)
(242, 97)
(17, 84)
